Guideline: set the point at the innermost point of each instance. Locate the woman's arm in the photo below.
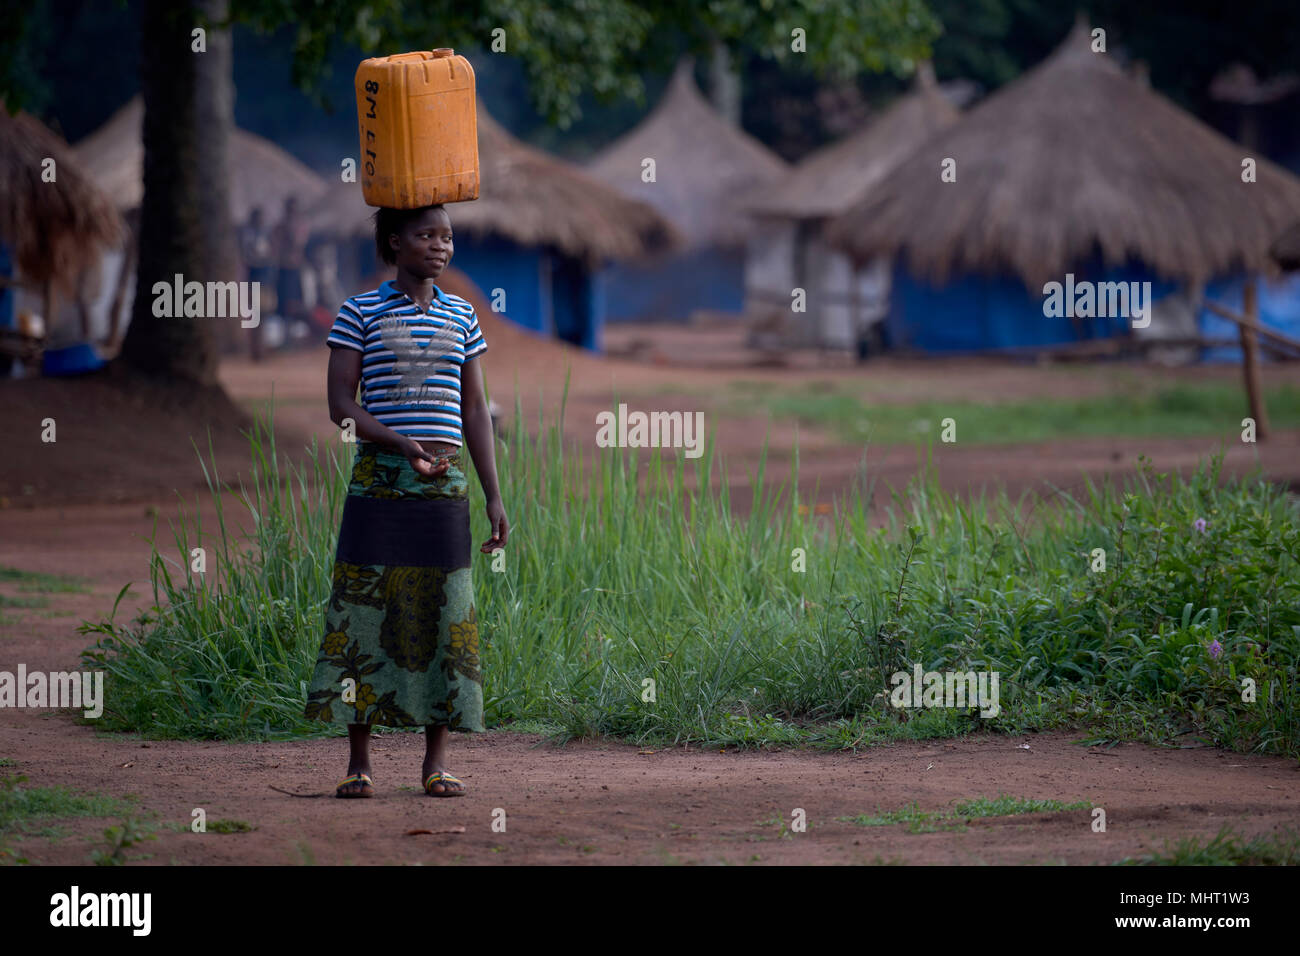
(476, 421)
(341, 389)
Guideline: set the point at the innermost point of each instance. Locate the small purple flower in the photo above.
(1199, 525)
(1215, 649)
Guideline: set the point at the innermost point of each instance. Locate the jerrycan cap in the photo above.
(443, 52)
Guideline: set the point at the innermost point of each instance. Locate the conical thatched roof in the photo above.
(1072, 158)
(262, 173)
(830, 180)
(55, 228)
(703, 164)
(529, 197)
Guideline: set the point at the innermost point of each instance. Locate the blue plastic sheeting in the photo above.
(495, 263)
(671, 290)
(571, 302)
(974, 313)
(1279, 308)
(545, 292)
(7, 317)
(74, 360)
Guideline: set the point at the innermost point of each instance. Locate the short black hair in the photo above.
(391, 221)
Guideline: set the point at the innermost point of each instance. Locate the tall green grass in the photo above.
(225, 653)
(636, 603)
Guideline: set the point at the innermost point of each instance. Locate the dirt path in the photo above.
(614, 803)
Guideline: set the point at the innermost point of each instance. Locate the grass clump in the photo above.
(118, 839)
(1004, 806)
(40, 581)
(1226, 848)
(230, 826)
(22, 808)
(926, 821)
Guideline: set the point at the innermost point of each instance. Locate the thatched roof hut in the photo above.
(55, 228)
(844, 301)
(528, 197)
(703, 164)
(830, 180)
(1072, 159)
(262, 173)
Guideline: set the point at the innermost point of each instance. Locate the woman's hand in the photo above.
(496, 513)
(422, 461)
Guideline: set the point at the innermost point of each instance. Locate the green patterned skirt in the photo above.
(401, 633)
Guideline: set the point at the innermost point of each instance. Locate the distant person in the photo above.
(289, 241)
(258, 255)
(324, 259)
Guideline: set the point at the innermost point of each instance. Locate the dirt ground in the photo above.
(616, 803)
(85, 505)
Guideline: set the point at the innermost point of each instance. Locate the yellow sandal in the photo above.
(367, 786)
(447, 780)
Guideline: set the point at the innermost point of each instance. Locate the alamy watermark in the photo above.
(960, 689)
(78, 909)
(80, 690)
(651, 430)
(1086, 300)
(208, 300)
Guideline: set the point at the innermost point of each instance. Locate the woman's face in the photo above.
(424, 247)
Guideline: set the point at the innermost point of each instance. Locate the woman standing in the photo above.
(401, 642)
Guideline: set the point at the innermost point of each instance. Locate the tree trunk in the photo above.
(173, 240)
(1250, 361)
(216, 124)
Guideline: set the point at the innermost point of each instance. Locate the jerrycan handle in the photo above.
(438, 54)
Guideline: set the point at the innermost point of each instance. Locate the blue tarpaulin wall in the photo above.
(1279, 308)
(544, 291)
(670, 290)
(973, 313)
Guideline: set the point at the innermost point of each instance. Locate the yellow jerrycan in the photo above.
(419, 131)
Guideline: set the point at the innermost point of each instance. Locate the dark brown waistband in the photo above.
(369, 447)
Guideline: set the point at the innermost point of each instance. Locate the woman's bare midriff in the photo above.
(438, 447)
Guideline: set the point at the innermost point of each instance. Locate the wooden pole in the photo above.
(1264, 332)
(1250, 361)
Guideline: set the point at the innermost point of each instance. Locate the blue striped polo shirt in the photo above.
(410, 360)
